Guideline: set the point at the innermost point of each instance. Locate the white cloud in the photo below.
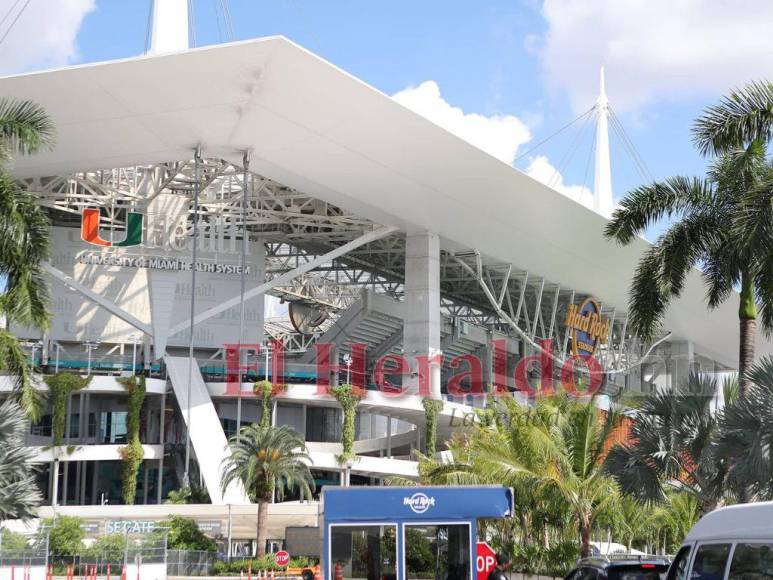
(44, 34)
(540, 169)
(497, 135)
(654, 49)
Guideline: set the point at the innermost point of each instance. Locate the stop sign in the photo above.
(282, 558)
(486, 560)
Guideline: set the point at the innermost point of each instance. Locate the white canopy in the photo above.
(313, 127)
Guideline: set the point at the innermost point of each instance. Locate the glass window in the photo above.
(710, 561)
(112, 427)
(678, 569)
(323, 424)
(41, 428)
(441, 551)
(363, 552)
(752, 562)
(637, 572)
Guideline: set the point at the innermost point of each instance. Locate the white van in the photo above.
(732, 543)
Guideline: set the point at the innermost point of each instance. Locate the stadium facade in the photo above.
(189, 185)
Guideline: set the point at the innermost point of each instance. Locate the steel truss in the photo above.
(297, 228)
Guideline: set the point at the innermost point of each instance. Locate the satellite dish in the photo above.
(305, 317)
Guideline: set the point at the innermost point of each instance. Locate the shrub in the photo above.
(109, 547)
(66, 537)
(13, 542)
(184, 534)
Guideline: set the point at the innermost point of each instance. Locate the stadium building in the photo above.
(252, 193)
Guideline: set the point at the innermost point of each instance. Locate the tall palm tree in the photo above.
(746, 434)
(25, 128)
(672, 447)
(700, 236)
(19, 495)
(267, 461)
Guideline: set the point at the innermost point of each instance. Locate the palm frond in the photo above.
(14, 362)
(746, 433)
(19, 495)
(25, 127)
(743, 116)
(646, 205)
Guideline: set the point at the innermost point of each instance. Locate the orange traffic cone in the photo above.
(123, 572)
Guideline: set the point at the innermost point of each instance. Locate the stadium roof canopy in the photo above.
(315, 128)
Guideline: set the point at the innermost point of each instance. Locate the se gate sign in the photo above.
(485, 561)
(282, 558)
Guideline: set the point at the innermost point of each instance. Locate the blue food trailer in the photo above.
(406, 533)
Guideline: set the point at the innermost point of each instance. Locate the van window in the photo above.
(752, 562)
(678, 569)
(710, 561)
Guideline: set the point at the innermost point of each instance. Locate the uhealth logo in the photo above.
(419, 502)
(90, 229)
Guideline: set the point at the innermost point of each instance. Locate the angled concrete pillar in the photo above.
(681, 363)
(421, 328)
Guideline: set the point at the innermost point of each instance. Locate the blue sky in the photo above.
(525, 67)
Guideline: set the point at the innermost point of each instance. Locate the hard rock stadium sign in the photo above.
(589, 330)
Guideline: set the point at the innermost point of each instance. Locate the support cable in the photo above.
(15, 20)
(549, 137)
(573, 147)
(8, 12)
(628, 143)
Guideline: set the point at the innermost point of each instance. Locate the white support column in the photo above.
(421, 329)
(170, 26)
(389, 437)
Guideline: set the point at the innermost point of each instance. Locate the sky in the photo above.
(504, 75)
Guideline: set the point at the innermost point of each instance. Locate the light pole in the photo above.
(33, 345)
(348, 363)
(90, 346)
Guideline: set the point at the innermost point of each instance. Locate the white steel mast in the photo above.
(603, 201)
(169, 26)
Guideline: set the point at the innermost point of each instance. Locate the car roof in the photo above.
(605, 563)
(752, 521)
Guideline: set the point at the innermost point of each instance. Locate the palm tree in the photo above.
(267, 461)
(672, 447)
(746, 434)
(24, 129)
(553, 451)
(700, 236)
(19, 495)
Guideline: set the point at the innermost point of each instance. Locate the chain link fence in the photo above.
(24, 555)
(190, 563)
(146, 552)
